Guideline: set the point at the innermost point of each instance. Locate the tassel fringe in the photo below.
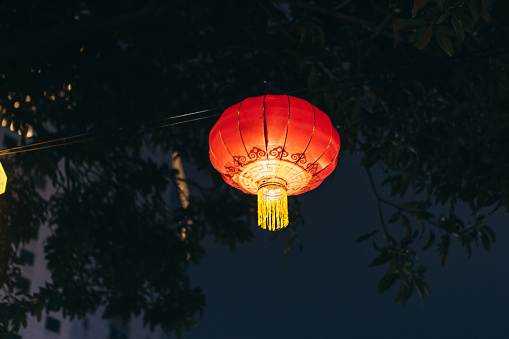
(272, 207)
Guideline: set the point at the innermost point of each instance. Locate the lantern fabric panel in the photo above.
(252, 128)
(277, 115)
(229, 132)
(300, 127)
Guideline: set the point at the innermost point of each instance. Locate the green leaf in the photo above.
(387, 281)
(384, 257)
(485, 10)
(408, 24)
(443, 247)
(423, 41)
(430, 242)
(406, 225)
(404, 293)
(418, 5)
(485, 233)
(422, 288)
(458, 28)
(366, 236)
(395, 32)
(382, 25)
(487, 230)
(443, 40)
(395, 217)
(473, 5)
(442, 18)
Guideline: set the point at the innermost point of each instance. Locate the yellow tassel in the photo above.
(272, 207)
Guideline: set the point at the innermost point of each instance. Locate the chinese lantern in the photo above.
(274, 146)
(3, 180)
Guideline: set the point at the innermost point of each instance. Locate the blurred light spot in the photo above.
(16, 104)
(4, 122)
(28, 99)
(44, 93)
(30, 132)
(69, 87)
(12, 127)
(19, 132)
(82, 49)
(9, 97)
(61, 94)
(52, 98)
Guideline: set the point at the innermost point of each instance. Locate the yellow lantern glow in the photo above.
(3, 179)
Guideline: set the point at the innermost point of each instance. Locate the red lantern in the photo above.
(274, 146)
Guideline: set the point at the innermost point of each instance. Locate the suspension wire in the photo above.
(84, 137)
(190, 117)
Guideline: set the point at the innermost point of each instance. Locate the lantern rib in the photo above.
(212, 152)
(286, 136)
(222, 141)
(265, 137)
(221, 137)
(325, 151)
(240, 131)
(309, 142)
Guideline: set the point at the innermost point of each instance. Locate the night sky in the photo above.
(327, 290)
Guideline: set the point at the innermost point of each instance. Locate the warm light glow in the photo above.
(274, 146)
(28, 99)
(258, 172)
(16, 104)
(3, 180)
(272, 207)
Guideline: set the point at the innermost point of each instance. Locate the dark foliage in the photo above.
(419, 89)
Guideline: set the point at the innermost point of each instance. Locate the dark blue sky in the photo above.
(327, 290)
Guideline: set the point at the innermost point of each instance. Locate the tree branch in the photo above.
(379, 204)
(60, 35)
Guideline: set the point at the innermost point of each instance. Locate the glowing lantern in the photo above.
(274, 146)
(3, 179)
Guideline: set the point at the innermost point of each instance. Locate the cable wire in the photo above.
(84, 137)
